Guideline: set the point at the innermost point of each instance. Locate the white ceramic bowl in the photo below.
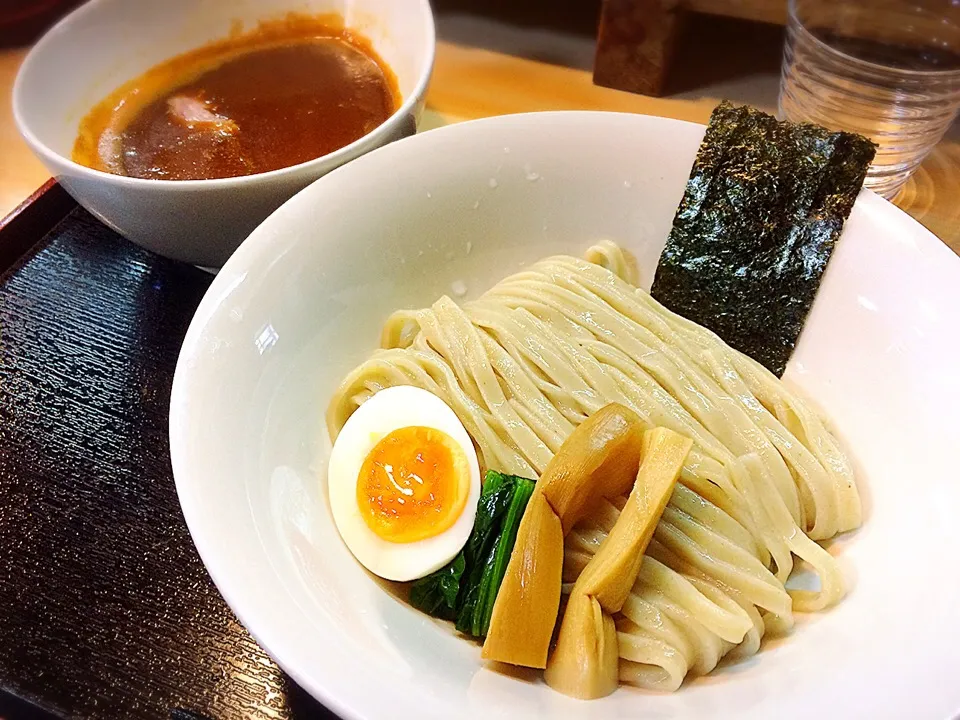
(105, 43)
(302, 301)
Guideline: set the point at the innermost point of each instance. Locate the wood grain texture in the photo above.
(20, 172)
(501, 85)
(932, 194)
(105, 608)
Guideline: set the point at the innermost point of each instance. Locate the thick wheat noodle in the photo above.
(743, 378)
(678, 616)
(799, 418)
(544, 349)
(699, 394)
(713, 356)
(642, 618)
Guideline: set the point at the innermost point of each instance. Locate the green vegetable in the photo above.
(436, 594)
(466, 588)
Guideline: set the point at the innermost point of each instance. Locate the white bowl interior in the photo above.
(109, 42)
(302, 301)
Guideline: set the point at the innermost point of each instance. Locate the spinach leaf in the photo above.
(436, 594)
(466, 588)
(496, 565)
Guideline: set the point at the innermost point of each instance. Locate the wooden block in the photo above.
(635, 43)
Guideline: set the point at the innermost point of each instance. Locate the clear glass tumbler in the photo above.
(887, 69)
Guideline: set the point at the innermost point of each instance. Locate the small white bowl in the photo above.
(303, 300)
(106, 43)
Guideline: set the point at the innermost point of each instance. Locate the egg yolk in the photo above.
(413, 484)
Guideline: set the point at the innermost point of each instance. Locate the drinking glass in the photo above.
(887, 69)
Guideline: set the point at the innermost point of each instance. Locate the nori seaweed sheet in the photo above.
(761, 214)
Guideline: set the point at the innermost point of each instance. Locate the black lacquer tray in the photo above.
(105, 608)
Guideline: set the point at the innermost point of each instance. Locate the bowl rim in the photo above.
(235, 271)
(247, 607)
(335, 158)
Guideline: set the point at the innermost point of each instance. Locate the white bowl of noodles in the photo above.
(452, 212)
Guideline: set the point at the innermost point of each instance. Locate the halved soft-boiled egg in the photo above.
(404, 483)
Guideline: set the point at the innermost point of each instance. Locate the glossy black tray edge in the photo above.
(22, 231)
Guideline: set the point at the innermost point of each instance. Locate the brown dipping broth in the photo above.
(288, 92)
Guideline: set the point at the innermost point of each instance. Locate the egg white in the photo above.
(389, 410)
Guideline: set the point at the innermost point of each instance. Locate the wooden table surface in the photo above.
(471, 83)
